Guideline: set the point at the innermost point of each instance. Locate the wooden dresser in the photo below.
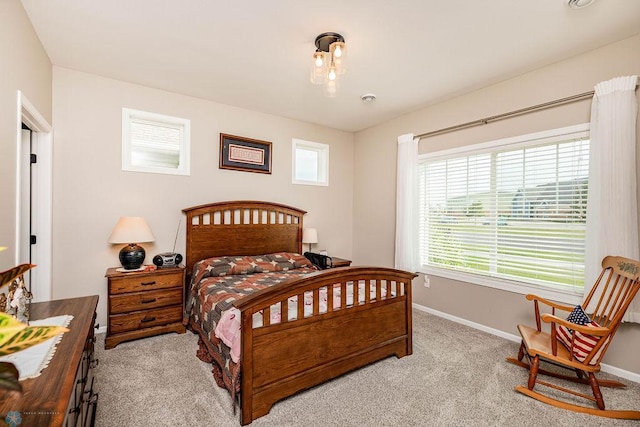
(143, 304)
(63, 394)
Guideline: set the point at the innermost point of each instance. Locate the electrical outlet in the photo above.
(427, 281)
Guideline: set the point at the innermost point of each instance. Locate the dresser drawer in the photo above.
(136, 301)
(144, 319)
(145, 282)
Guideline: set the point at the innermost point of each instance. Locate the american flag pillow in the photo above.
(582, 343)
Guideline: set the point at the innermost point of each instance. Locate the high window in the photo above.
(310, 163)
(155, 143)
(510, 213)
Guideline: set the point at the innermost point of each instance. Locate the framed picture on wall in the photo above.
(244, 154)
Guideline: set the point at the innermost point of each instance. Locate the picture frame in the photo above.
(244, 154)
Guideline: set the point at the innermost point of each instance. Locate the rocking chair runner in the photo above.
(616, 286)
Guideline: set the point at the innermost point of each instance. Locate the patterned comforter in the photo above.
(217, 282)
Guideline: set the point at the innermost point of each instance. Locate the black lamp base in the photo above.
(132, 256)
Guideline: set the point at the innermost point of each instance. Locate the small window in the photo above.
(310, 163)
(154, 143)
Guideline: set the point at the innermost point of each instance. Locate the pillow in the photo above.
(582, 343)
(289, 261)
(262, 264)
(211, 267)
(241, 265)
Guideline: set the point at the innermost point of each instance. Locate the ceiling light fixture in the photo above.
(328, 62)
(579, 4)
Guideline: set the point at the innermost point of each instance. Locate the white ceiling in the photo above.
(256, 54)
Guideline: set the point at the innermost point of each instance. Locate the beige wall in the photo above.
(374, 191)
(91, 191)
(24, 66)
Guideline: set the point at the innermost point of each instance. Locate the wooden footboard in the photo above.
(280, 359)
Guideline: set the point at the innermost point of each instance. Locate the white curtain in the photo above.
(407, 204)
(612, 208)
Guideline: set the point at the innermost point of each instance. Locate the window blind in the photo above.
(155, 144)
(516, 212)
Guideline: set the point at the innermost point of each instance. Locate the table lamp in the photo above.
(131, 230)
(310, 236)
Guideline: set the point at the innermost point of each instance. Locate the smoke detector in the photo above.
(579, 4)
(368, 97)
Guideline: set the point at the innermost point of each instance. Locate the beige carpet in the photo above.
(456, 376)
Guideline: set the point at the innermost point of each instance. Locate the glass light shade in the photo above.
(330, 88)
(317, 75)
(318, 59)
(318, 71)
(338, 51)
(332, 74)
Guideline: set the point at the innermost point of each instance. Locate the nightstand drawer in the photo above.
(144, 319)
(144, 300)
(146, 282)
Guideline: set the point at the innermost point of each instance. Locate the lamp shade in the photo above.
(131, 229)
(309, 235)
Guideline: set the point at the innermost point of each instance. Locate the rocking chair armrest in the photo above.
(599, 331)
(536, 299)
(532, 297)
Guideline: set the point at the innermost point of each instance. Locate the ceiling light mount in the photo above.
(328, 62)
(325, 40)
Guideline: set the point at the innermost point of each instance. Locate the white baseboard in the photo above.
(474, 325)
(102, 330)
(631, 376)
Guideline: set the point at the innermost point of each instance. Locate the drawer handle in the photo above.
(148, 301)
(148, 283)
(94, 363)
(148, 319)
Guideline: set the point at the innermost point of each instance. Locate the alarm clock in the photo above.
(167, 259)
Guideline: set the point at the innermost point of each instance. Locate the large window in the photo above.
(154, 143)
(511, 210)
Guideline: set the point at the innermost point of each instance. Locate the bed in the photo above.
(328, 322)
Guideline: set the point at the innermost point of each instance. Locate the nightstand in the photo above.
(340, 262)
(143, 304)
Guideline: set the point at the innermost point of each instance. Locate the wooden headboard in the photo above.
(241, 227)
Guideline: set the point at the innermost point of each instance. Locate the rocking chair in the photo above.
(580, 346)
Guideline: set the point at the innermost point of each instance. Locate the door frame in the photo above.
(42, 134)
